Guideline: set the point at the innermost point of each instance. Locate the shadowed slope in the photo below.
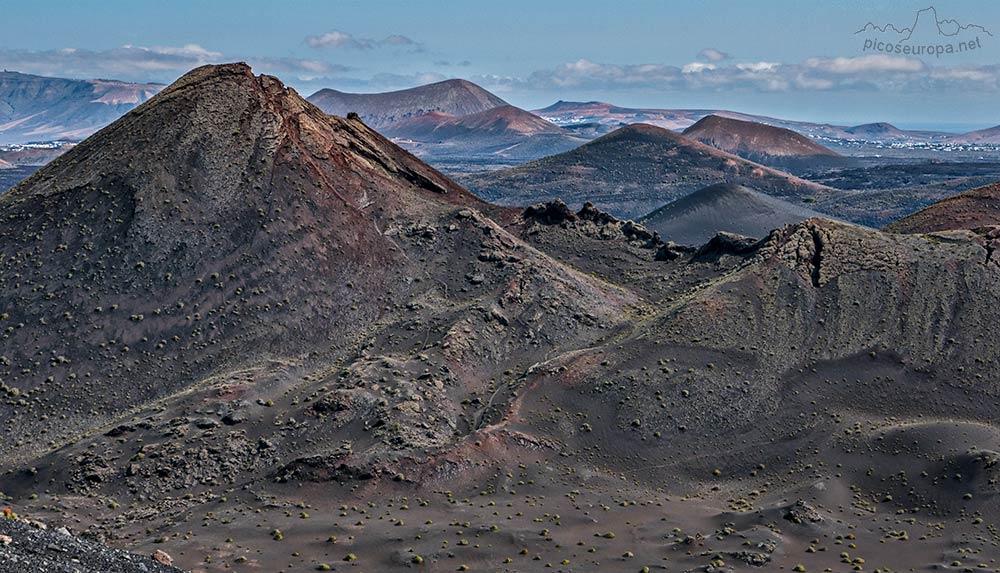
(726, 207)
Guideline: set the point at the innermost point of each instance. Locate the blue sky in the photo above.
(792, 59)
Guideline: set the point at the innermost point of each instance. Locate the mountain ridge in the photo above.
(499, 134)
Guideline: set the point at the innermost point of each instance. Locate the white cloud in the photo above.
(980, 74)
(884, 73)
(143, 63)
(695, 67)
(807, 83)
(185, 51)
(758, 66)
(712, 55)
(865, 64)
(585, 73)
(335, 39)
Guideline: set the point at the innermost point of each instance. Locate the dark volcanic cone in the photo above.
(694, 219)
(632, 171)
(228, 223)
(226, 216)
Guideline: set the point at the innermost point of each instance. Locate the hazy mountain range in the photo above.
(568, 113)
(36, 108)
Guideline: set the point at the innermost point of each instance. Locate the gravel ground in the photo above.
(29, 549)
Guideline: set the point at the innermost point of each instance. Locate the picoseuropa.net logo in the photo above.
(927, 35)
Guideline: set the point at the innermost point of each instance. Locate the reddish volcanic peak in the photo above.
(753, 140)
(452, 97)
(511, 118)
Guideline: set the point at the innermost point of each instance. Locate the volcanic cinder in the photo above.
(257, 337)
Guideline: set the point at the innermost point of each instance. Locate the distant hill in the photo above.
(756, 141)
(452, 97)
(725, 207)
(632, 171)
(988, 135)
(974, 208)
(499, 121)
(37, 108)
(878, 131)
(507, 132)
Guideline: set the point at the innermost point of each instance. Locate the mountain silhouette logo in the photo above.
(926, 19)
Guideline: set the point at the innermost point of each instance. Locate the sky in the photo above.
(838, 62)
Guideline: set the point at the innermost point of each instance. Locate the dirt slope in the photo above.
(978, 207)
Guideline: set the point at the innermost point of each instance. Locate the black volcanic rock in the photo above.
(724, 243)
(551, 213)
(34, 549)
